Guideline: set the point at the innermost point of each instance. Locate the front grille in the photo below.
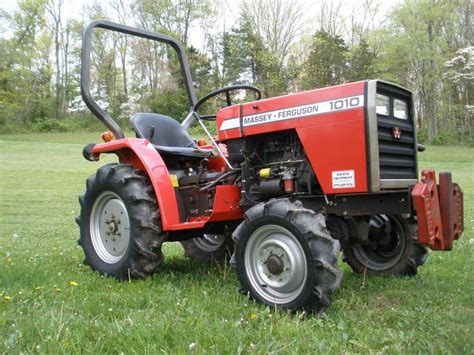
(397, 157)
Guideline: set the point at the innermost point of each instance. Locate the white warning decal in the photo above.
(312, 109)
(343, 179)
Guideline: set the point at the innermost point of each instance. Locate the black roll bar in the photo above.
(103, 116)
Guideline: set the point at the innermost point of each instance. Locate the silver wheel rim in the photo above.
(210, 242)
(109, 227)
(283, 282)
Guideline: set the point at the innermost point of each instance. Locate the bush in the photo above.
(197, 132)
(49, 125)
(443, 138)
(71, 123)
(82, 122)
(422, 136)
(169, 102)
(8, 128)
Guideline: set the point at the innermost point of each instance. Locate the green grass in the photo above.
(188, 302)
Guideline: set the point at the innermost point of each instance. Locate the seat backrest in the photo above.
(161, 130)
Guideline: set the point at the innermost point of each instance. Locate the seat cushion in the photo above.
(161, 130)
(167, 135)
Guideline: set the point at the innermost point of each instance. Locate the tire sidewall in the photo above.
(193, 251)
(400, 268)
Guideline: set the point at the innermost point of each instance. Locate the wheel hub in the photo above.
(275, 264)
(113, 226)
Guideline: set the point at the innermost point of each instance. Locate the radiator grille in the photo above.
(397, 156)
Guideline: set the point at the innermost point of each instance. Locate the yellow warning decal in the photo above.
(174, 180)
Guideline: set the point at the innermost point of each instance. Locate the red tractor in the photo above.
(288, 182)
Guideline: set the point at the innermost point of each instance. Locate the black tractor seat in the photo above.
(167, 136)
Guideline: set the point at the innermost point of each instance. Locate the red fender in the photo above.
(142, 155)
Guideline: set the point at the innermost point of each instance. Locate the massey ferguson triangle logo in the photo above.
(396, 132)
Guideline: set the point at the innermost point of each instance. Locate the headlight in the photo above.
(400, 109)
(382, 103)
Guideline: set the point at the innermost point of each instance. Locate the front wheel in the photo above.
(391, 248)
(120, 229)
(285, 256)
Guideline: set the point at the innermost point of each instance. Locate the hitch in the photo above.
(439, 209)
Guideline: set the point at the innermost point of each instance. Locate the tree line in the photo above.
(424, 45)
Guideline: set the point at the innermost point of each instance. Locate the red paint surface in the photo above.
(216, 163)
(226, 204)
(226, 207)
(328, 152)
(436, 205)
(332, 141)
(224, 114)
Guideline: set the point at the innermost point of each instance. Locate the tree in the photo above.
(329, 17)
(460, 72)
(415, 50)
(327, 61)
(54, 9)
(422, 44)
(361, 62)
(276, 22)
(172, 17)
(25, 66)
(120, 8)
(246, 59)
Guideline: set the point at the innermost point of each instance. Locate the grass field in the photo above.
(50, 302)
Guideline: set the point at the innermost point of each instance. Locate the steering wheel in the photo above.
(227, 90)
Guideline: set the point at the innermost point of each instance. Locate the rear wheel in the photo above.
(209, 247)
(120, 229)
(285, 256)
(391, 248)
